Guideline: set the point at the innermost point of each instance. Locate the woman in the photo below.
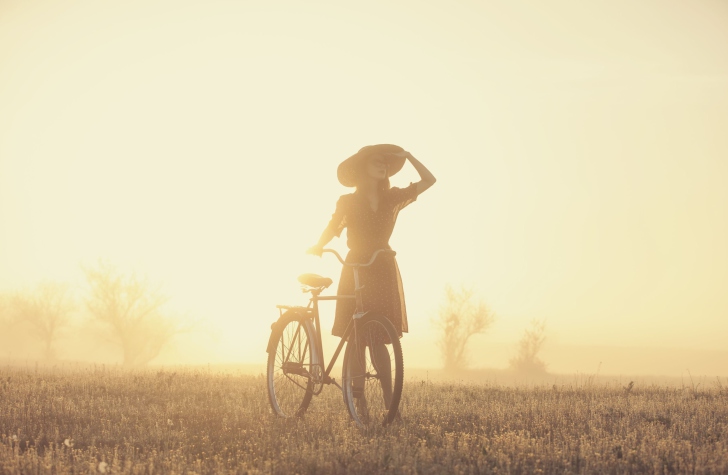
(370, 213)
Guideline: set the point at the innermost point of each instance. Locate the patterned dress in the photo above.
(367, 231)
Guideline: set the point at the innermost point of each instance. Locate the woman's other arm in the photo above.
(326, 236)
(334, 228)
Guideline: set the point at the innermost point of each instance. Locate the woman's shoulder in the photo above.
(403, 196)
(347, 196)
(345, 199)
(397, 189)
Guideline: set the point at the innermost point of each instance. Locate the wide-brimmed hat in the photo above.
(349, 168)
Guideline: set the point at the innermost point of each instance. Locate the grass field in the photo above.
(109, 421)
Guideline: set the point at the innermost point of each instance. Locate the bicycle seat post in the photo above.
(357, 292)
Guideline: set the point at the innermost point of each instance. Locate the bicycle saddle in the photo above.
(314, 280)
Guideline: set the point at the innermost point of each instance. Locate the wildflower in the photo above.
(15, 438)
(68, 443)
(103, 466)
(169, 422)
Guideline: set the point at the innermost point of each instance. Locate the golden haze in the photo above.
(580, 151)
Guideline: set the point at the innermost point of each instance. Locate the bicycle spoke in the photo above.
(289, 370)
(298, 329)
(305, 349)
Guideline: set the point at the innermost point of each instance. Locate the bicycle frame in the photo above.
(359, 312)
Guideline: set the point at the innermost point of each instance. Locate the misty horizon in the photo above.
(580, 155)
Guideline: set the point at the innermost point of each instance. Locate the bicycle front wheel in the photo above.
(292, 366)
(373, 372)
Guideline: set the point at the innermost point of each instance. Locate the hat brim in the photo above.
(348, 169)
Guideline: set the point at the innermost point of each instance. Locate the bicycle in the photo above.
(372, 374)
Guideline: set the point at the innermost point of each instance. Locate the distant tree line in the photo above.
(129, 310)
(463, 316)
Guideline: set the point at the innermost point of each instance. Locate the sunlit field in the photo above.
(101, 420)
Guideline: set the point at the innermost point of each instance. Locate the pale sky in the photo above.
(580, 149)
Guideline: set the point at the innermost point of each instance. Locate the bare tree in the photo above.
(526, 360)
(459, 319)
(131, 308)
(47, 309)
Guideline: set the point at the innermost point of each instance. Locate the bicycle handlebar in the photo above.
(374, 256)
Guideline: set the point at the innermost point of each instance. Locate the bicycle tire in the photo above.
(291, 364)
(369, 407)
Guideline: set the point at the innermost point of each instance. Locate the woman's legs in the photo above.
(383, 366)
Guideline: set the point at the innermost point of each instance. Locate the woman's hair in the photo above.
(361, 171)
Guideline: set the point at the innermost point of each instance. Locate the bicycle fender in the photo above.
(293, 314)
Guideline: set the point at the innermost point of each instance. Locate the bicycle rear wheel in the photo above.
(292, 366)
(373, 372)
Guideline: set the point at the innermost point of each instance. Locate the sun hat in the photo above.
(349, 168)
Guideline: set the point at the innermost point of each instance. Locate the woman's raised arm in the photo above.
(427, 179)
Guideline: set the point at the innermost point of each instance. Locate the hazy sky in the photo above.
(580, 149)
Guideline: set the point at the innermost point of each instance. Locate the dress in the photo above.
(367, 231)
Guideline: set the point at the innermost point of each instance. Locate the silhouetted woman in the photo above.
(369, 214)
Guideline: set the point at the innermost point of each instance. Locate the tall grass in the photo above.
(109, 421)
